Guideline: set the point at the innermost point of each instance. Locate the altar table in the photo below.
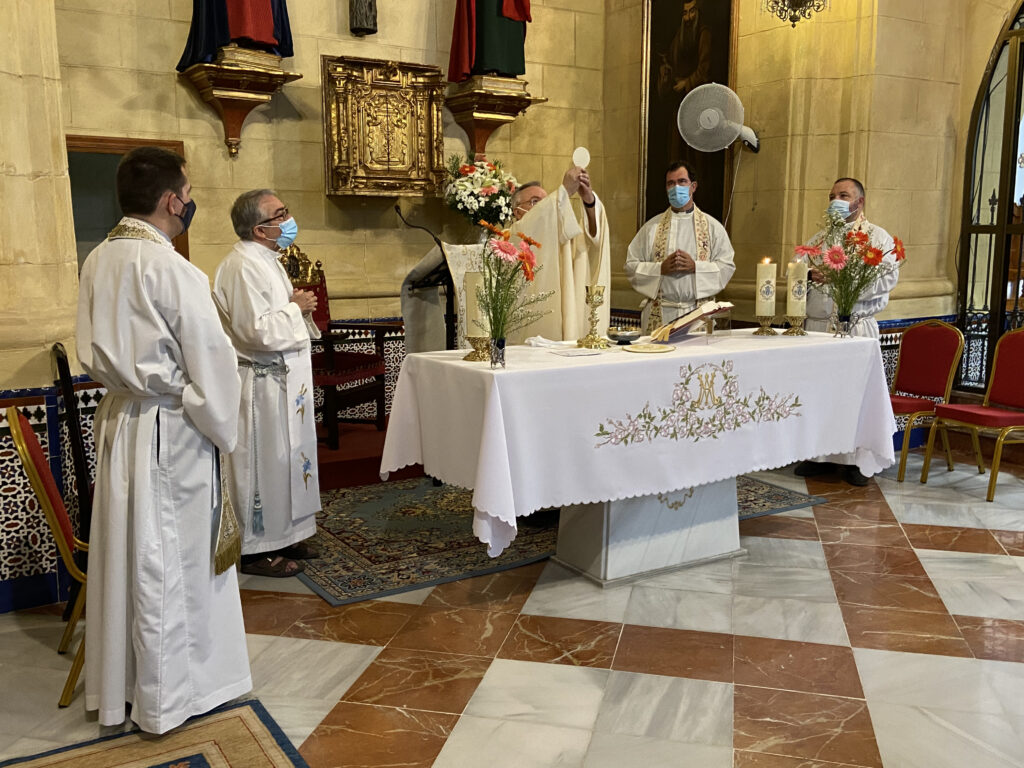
(556, 431)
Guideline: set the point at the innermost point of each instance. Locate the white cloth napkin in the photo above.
(540, 341)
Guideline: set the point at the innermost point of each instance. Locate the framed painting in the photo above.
(686, 44)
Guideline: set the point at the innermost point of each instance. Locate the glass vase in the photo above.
(497, 353)
(844, 324)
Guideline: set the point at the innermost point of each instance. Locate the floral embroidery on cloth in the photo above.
(307, 465)
(706, 403)
(300, 403)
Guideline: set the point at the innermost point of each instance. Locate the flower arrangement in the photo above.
(480, 191)
(507, 269)
(848, 262)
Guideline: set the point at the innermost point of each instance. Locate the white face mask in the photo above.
(842, 207)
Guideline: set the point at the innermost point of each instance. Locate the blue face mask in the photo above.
(678, 197)
(289, 229)
(842, 207)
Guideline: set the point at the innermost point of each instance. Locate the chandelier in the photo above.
(794, 10)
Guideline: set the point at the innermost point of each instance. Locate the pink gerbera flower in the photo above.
(807, 251)
(491, 190)
(505, 250)
(526, 254)
(835, 257)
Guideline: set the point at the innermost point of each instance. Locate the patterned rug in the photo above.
(382, 539)
(240, 735)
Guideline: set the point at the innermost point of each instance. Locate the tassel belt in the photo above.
(260, 371)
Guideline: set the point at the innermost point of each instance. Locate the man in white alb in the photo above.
(573, 254)
(273, 479)
(165, 628)
(679, 258)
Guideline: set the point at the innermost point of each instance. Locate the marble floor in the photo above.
(882, 628)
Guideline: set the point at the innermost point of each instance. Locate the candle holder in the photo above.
(481, 349)
(766, 326)
(796, 326)
(595, 298)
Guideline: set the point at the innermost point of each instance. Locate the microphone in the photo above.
(405, 221)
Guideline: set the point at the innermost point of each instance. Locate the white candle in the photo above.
(796, 289)
(764, 306)
(474, 313)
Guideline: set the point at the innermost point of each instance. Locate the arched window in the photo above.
(991, 278)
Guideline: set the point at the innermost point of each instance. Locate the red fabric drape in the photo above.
(463, 53)
(251, 19)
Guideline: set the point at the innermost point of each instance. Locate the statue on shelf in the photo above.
(261, 25)
(488, 38)
(362, 17)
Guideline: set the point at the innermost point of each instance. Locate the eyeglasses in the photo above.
(528, 204)
(281, 215)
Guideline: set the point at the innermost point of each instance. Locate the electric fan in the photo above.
(710, 118)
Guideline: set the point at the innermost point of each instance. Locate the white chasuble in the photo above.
(273, 478)
(679, 294)
(572, 259)
(165, 632)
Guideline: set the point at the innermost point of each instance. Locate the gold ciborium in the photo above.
(595, 298)
(481, 349)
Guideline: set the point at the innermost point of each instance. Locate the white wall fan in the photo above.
(710, 118)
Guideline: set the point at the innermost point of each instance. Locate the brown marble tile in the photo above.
(865, 532)
(358, 736)
(675, 652)
(859, 558)
(796, 666)
(779, 527)
(1012, 541)
(997, 639)
(440, 682)
(505, 592)
(952, 539)
(271, 613)
(837, 491)
(373, 622)
(910, 631)
(455, 630)
(763, 760)
(877, 590)
(562, 641)
(805, 725)
(845, 510)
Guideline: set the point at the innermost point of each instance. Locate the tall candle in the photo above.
(764, 306)
(474, 313)
(796, 289)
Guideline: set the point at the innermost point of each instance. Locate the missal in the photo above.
(683, 324)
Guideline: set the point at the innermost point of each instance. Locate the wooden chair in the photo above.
(45, 487)
(1001, 413)
(346, 378)
(928, 358)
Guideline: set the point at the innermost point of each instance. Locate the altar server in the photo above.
(573, 254)
(165, 629)
(680, 257)
(273, 480)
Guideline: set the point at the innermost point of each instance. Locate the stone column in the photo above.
(38, 263)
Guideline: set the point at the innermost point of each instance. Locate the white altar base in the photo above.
(613, 542)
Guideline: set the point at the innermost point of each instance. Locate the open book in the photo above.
(683, 324)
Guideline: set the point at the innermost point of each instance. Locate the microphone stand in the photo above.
(439, 275)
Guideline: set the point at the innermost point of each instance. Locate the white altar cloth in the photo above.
(551, 431)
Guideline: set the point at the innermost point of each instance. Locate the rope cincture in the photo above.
(259, 371)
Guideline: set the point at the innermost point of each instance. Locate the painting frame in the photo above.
(649, 12)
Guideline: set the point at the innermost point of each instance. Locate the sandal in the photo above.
(275, 567)
(301, 550)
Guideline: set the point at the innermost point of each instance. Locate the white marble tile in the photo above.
(560, 592)
(1003, 517)
(679, 609)
(667, 708)
(18, 746)
(608, 751)
(788, 553)
(752, 579)
(710, 577)
(1006, 678)
(477, 741)
(298, 718)
(783, 477)
(804, 513)
(292, 668)
(36, 644)
(292, 586)
(528, 691)
(941, 564)
(784, 619)
(412, 597)
(921, 680)
(972, 584)
(33, 711)
(921, 737)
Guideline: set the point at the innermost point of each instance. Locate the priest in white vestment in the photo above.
(848, 198)
(680, 258)
(165, 631)
(573, 255)
(273, 480)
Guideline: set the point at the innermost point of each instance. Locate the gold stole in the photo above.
(702, 233)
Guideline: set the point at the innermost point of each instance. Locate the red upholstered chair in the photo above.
(347, 378)
(929, 355)
(1001, 413)
(45, 487)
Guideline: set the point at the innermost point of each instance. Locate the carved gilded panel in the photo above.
(383, 133)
